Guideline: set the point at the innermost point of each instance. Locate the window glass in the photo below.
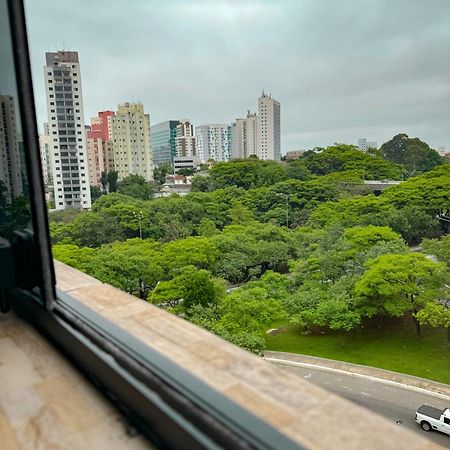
(14, 200)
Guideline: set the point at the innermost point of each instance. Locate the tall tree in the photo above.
(400, 284)
(104, 181)
(112, 181)
(135, 186)
(415, 155)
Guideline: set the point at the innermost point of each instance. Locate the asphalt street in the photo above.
(395, 403)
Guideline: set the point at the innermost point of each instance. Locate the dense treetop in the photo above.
(224, 257)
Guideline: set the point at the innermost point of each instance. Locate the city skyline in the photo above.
(339, 74)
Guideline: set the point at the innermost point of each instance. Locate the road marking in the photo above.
(360, 375)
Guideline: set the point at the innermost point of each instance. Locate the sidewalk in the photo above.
(356, 369)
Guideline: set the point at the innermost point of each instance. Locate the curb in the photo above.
(369, 373)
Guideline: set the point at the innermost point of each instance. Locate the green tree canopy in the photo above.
(135, 186)
(415, 155)
(400, 284)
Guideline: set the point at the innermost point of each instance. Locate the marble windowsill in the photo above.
(308, 414)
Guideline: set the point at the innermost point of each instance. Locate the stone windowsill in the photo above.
(306, 413)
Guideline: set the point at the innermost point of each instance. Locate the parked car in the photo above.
(431, 418)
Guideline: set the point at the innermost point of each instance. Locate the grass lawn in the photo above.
(395, 348)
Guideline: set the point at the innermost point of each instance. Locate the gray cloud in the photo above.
(341, 70)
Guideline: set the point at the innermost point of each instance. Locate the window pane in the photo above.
(14, 199)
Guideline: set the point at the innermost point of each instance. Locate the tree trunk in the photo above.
(448, 335)
(418, 329)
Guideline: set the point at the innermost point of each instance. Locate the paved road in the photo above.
(395, 403)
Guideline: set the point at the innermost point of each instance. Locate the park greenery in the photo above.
(306, 244)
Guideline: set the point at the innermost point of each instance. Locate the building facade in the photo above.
(10, 158)
(164, 142)
(268, 145)
(100, 147)
(186, 145)
(67, 140)
(244, 136)
(294, 154)
(44, 148)
(130, 132)
(213, 142)
(364, 144)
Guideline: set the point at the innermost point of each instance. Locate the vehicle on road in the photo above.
(431, 418)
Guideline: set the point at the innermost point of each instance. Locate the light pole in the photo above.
(286, 196)
(139, 217)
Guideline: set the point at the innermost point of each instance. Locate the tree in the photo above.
(342, 157)
(190, 288)
(239, 214)
(135, 266)
(325, 305)
(246, 173)
(160, 172)
(415, 155)
(436, 314)
(207, 228)
(135, 186)
(81, 258)
(249, 309)
(199, 252)
(185, 171)
(112, 177)
(91, 229)
(200, 183)
(104, 181)
(297, 170)
(399, 284)
(96, 193)
(439, 248)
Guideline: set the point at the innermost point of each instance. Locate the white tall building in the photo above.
(213, 141)
(364, 144)
(130, 133)
(244, 136)
(268, 143)
(67, 141)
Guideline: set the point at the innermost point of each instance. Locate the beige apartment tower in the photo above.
(130, 133)
(244, 136)
(269, 134)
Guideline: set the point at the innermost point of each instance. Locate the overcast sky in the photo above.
(341, 70)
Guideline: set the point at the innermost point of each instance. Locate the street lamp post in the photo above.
(286, 196)
(139, 217)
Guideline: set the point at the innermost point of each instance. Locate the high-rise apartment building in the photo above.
(164, 142)
(364, 144)
(186, 145)
(268, 143)
(243, 136)
(44, 147)
(130, 129)
(67, 140)
(100, 147)
(213, 142)
(10, 160)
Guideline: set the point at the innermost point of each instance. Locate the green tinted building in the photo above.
(164, 140)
